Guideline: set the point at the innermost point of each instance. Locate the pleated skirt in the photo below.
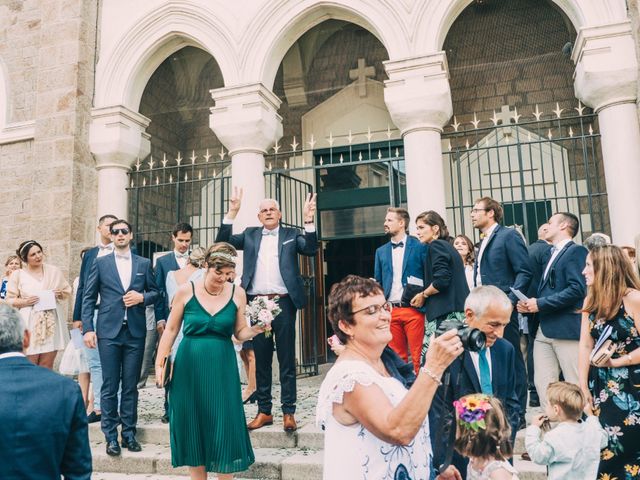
(207, 422)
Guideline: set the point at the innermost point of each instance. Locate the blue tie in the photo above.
(485, 373)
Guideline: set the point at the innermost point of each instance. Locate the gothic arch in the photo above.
(123, 75)
(434, 21)
(276, 29)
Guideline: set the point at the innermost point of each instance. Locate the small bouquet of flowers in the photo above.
(261, 311)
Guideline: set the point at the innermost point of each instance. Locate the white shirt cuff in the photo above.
(227, 221)
(310, 228)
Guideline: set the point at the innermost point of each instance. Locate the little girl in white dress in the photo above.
(484, 436)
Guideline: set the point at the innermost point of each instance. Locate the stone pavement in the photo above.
(279, 455)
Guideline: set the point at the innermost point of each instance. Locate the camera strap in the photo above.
(447, 427)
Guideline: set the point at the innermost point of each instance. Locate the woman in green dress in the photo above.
(207, 424)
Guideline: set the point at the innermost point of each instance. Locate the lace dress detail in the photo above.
(489, 468)
(354, 452)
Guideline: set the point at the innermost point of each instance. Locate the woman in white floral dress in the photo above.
(375, 428)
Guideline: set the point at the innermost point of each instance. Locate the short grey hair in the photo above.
(11, 330)
(272, 200)
(597, 239)
(481, 297)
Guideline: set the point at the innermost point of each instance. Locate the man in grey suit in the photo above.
(125, 284)
(270, 268)
(43, 433)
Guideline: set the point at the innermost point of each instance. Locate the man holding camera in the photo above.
(488, 370)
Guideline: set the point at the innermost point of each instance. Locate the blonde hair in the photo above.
(197, 257)
(568, 397)
(613, 275)
(493, 441)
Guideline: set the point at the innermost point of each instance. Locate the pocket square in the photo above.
(288, 241)
(139, 273)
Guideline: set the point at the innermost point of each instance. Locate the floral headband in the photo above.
(471, 411)
(223, 255)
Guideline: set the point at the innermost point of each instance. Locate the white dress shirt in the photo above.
(182, 259)
(475, 358)
(11, 354)
(105, 249)
(556, 250)
(267, 278)
(397, 260)
(124, 268)
(483, 245)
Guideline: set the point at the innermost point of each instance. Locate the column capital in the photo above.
(606, 65)
(118, 137)
(245, 118)
(417, 92)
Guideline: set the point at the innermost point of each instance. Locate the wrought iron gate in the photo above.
(534, 166)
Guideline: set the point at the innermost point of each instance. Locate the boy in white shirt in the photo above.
(572, 449)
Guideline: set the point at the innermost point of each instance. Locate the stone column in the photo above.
(418, 97)
(245, 119)
(606, 79)
(117, 139)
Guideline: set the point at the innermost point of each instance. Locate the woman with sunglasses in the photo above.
(48, 327)
(374, 426)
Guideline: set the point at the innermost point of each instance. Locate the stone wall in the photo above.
(48, 47)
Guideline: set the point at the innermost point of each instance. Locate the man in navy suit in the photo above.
(44, 431)
(398, 263)
(105, 247)
(490, 371)
(558, 304)
(181, 237)
(503, 261)
(126, 286)
(270, 268)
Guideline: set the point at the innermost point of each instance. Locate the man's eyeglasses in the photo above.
(476, 210)
(118, 231)
(375, 309)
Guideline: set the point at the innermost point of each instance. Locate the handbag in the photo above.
(408, 293)
(167, 372)
(600, 357)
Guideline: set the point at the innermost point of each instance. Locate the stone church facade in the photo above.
(91, 92)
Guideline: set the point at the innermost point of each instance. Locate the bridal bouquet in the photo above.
(261, 311)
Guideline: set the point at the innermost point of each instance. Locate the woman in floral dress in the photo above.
(613, 392)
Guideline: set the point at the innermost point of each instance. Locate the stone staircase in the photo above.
(279, 455)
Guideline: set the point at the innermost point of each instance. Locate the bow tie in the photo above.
(125, 256)
(273, 233)
(182, 255)
(396, 245)
(106, 247)
(483, 236)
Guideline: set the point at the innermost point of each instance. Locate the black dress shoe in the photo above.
(94, 417)
(164, 418)
(253, 398)
(113, 449)
(132, 445)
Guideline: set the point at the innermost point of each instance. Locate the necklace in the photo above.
(211, 293)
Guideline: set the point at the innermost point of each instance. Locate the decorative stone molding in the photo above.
(606, 65)
(417, 93)
(117, 137)
(245, 118)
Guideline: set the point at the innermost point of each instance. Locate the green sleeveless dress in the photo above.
(207, 422)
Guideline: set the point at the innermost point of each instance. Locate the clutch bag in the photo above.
(408, 293)
(167, 370)
(603, 354)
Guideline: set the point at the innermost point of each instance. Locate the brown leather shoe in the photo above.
(289, 421)
(260, 421)
(525, 456)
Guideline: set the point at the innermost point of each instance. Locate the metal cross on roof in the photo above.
(360, 75)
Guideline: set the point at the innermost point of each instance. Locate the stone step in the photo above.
(308, 436)
(143, 476)
(271, 464)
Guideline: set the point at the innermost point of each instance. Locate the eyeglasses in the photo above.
(118, 231)
(476, 210)
(375, 309)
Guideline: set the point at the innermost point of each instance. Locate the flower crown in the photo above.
(471, 411)
(223, 255)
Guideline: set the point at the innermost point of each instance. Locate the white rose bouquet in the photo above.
(261, 311)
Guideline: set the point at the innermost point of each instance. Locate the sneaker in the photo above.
(94, 417)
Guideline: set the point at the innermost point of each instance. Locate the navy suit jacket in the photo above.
(503, 382)
(415, 257)
(291, 242)
(85, 266)
(44, 432)
(561, 294)
(104, 280)
(165, 264)
(539, 252)
(505, 262)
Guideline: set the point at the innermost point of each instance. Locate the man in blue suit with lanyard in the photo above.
(399, 263)
(270, 268)
(503, 261)
(126, 286)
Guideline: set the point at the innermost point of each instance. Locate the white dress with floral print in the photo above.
(353, 452)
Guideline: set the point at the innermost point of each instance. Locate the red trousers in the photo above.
(407, 330)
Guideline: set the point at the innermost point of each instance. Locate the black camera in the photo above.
(472, 339)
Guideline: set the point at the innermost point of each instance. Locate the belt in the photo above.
(396, 304)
